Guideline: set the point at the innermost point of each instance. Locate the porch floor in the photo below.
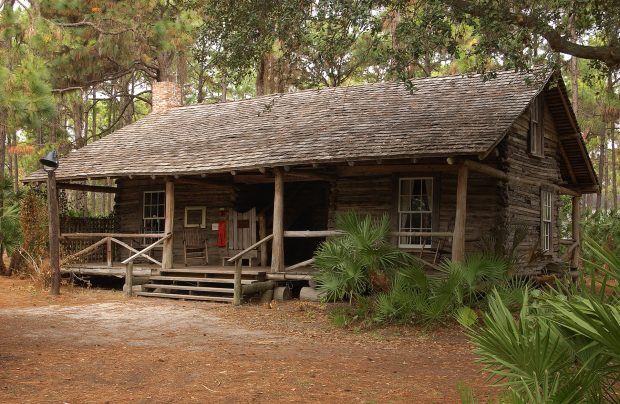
(118, 270)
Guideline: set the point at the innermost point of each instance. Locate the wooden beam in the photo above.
(210, 182)
(458, 239)
(346, 171)
(576, 227)
(88, 188)
(310, 176)
(262, 233)
(577, 134)
(569, 166)
(494, 172)
(166, 261)
(277, 247)
(117, 235)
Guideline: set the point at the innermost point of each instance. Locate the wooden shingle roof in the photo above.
(442, 116)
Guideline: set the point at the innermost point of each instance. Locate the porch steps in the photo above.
(208, 284)
(187, 297)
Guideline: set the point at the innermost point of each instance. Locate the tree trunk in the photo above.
(601, 172)
(15, 164)
(614, 183)
(573, 70)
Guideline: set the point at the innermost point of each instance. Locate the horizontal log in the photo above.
(250, 248)
(494, 172)
(257, 287)
(88, 188)
(300, 265)
(312, 233)
(115, 235)
(421, 234)
(289, 277)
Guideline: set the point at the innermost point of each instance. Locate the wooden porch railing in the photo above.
(129, 263)
(108, 239)
(237, 291)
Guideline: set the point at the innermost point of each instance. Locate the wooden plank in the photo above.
(85, 250)
(130, 248)
(145, 250)
(186, 297)
(187, 287)
(494, 172)
(300, 265)
(250, 248)
(458, 240)
(115, 235)
(129, 279)
(167, 254)
(237, 284)
(198, 280)
(277, 247)
(262, 233)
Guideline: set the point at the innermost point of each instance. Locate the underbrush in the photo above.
(386, 285)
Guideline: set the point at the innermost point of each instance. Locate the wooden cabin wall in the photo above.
(379, 195)
(523, 204)
(129, 201)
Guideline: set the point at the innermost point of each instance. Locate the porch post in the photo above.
(166, 261)
(458, 238)
(576, 225)
(277, 246)
(262, 233)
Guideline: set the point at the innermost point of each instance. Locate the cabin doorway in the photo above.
(306, 206)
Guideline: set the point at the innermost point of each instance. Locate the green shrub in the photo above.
(563, 347)
(359, 262)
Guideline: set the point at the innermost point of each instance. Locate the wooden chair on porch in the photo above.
(195, 245)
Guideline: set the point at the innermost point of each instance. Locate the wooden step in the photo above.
(183, 287)
(201, 280)
(214, 271)
(186, 297)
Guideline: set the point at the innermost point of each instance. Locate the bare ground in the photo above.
(97, 346)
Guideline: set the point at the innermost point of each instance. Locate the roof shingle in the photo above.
(453, 115)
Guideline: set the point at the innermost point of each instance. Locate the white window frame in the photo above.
(145, 229)
(546, 220)
(537, 135)
(203, 211)
(402, 240)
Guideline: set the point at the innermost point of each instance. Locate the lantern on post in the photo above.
(50, 164)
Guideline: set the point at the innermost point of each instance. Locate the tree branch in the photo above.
(608, 54)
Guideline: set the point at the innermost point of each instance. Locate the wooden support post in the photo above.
(109, 251)
(166, 262)
(277, 247)
(458, 239)
(262, 233)
(237, 284)
(129, 279)
(576, 225)
(54, 231)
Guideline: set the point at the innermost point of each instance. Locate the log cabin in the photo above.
(211, 199)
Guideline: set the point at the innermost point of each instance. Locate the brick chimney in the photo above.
(165, 95)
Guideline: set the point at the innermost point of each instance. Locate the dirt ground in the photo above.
(98, 346)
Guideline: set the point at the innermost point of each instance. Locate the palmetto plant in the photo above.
(562, 347)
(359, 261)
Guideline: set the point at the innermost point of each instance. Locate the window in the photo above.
(537, 139)
(415, 210)
(154, 208)
(196, 216)
(546, 214)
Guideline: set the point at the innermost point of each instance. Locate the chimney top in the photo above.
(165, 95)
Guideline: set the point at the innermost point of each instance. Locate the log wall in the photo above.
(523, 204)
